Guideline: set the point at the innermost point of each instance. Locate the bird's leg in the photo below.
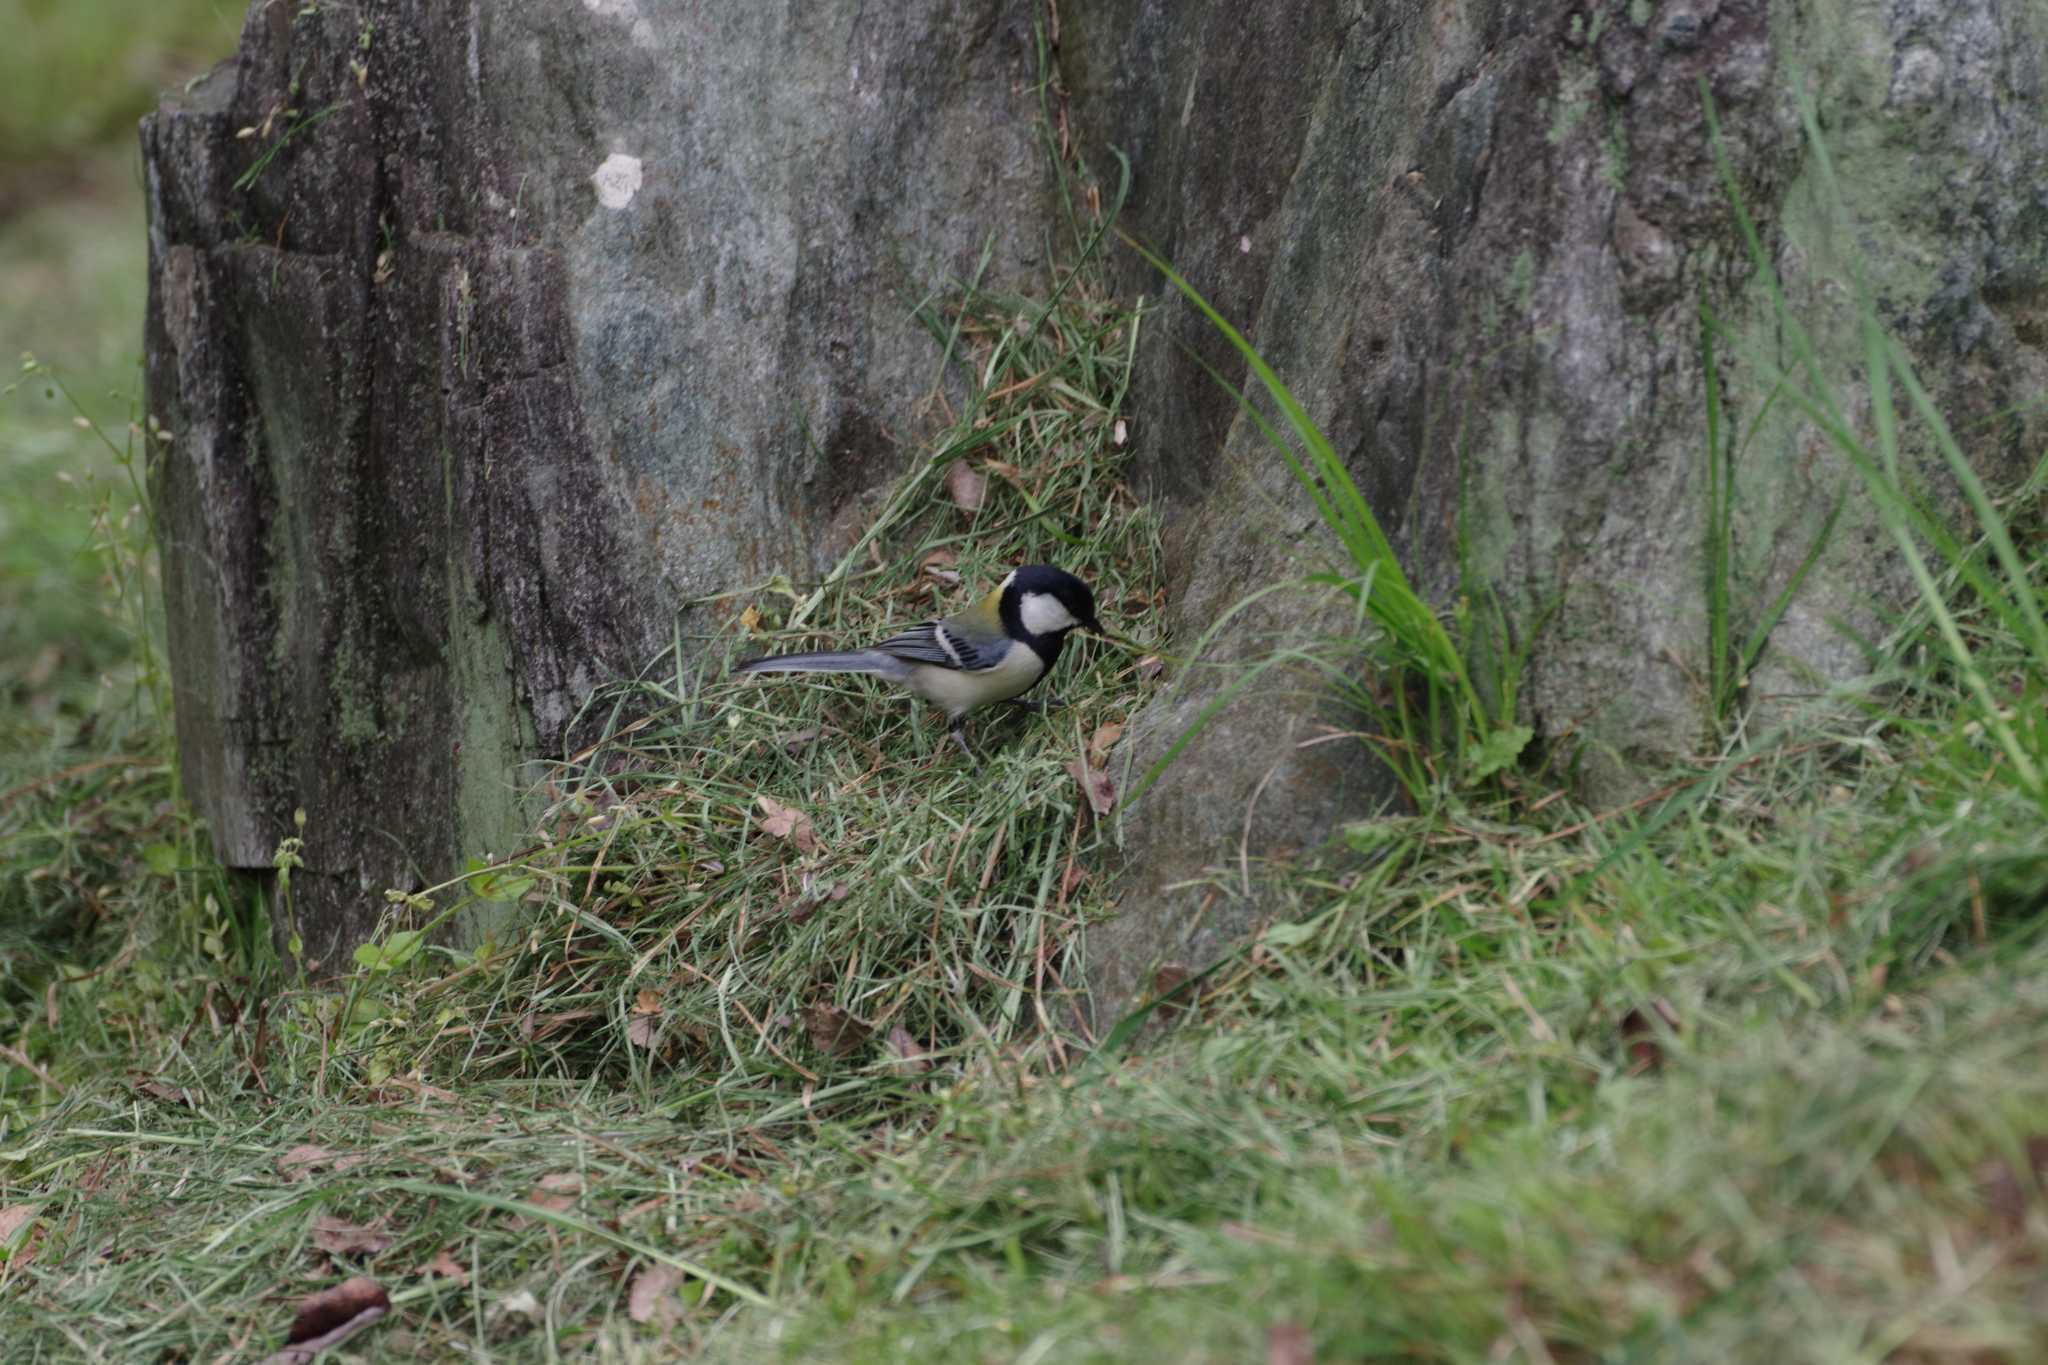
(959, 733)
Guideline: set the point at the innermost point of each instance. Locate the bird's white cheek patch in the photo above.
(1043, 614)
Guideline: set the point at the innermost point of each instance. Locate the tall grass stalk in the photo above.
(1413, 641)
(1904, 513)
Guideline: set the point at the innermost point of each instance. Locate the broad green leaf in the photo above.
(1499, 750)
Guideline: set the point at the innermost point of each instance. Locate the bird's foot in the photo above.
(959, 733)
(1038, 706)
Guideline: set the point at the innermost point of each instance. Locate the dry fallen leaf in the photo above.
(557, 1193)
(298, 1162)
(938, 566)
(967, 489)
(1121, 432)
(330, 1317)
(301, 1161)
(169, 1094)
(1104, 740)
(338, 1237)
(1287, 1343)
(647, 1002)
(2004, 1190)
(794, 740)
(910, 1058)
(787, 822)
(750, 620)
(512, 1316)
(833, 1031)
(417, 1088)
(643, 1029)
(13, 1216)
(802, 907)
(653, 1295)
(1150, 667)
(1072, 878)
(13, 1219)
(1644, 1050)
(1096, 785)
(445, 1266)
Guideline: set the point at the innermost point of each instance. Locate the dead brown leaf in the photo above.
(338, 1237)
(750, 620)
(1645, 1051)
(1072, 878)
(169, 1094)
(794, 741)
(910, 1058)
(643, 1029)
(13, 1216)
(647, 1002)
(396, 1086)
(558, 1192)
(938, 566)
(1150, 667)
(787, 822)
(1103, 740)
(1096, 785)
(303, 1160)
(13, 1219)
(653, 1295)
(534, 1026)
(1287, 1343)
(967, 489)
(833, 1031)
(2004, 1190)
(806, 905)
(330, 1317)
(445, 1266)
(512, 1316)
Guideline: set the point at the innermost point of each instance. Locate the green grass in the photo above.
(78, 73)
(1746, 1071)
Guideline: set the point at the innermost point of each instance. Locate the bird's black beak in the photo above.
(1094, 626)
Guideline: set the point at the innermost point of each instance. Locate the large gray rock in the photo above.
(1473, 238)
(509, 330)
(538, 319)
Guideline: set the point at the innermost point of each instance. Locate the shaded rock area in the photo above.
(1473, 238)
(495, 334)
(492, 334)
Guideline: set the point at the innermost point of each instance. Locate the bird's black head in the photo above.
(1041, 602)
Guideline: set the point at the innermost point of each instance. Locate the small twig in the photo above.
(9, 797)
(22, 1059)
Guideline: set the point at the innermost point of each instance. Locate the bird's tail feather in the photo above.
(872, 661)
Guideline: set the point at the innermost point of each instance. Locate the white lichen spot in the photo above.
(618, 180)
(626, 12)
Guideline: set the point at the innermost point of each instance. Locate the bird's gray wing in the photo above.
(944, 645)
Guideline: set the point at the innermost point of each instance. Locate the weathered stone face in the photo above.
(539, 321)
(1473, 238)
(542, 319)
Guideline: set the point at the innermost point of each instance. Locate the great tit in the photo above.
(995, 650)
